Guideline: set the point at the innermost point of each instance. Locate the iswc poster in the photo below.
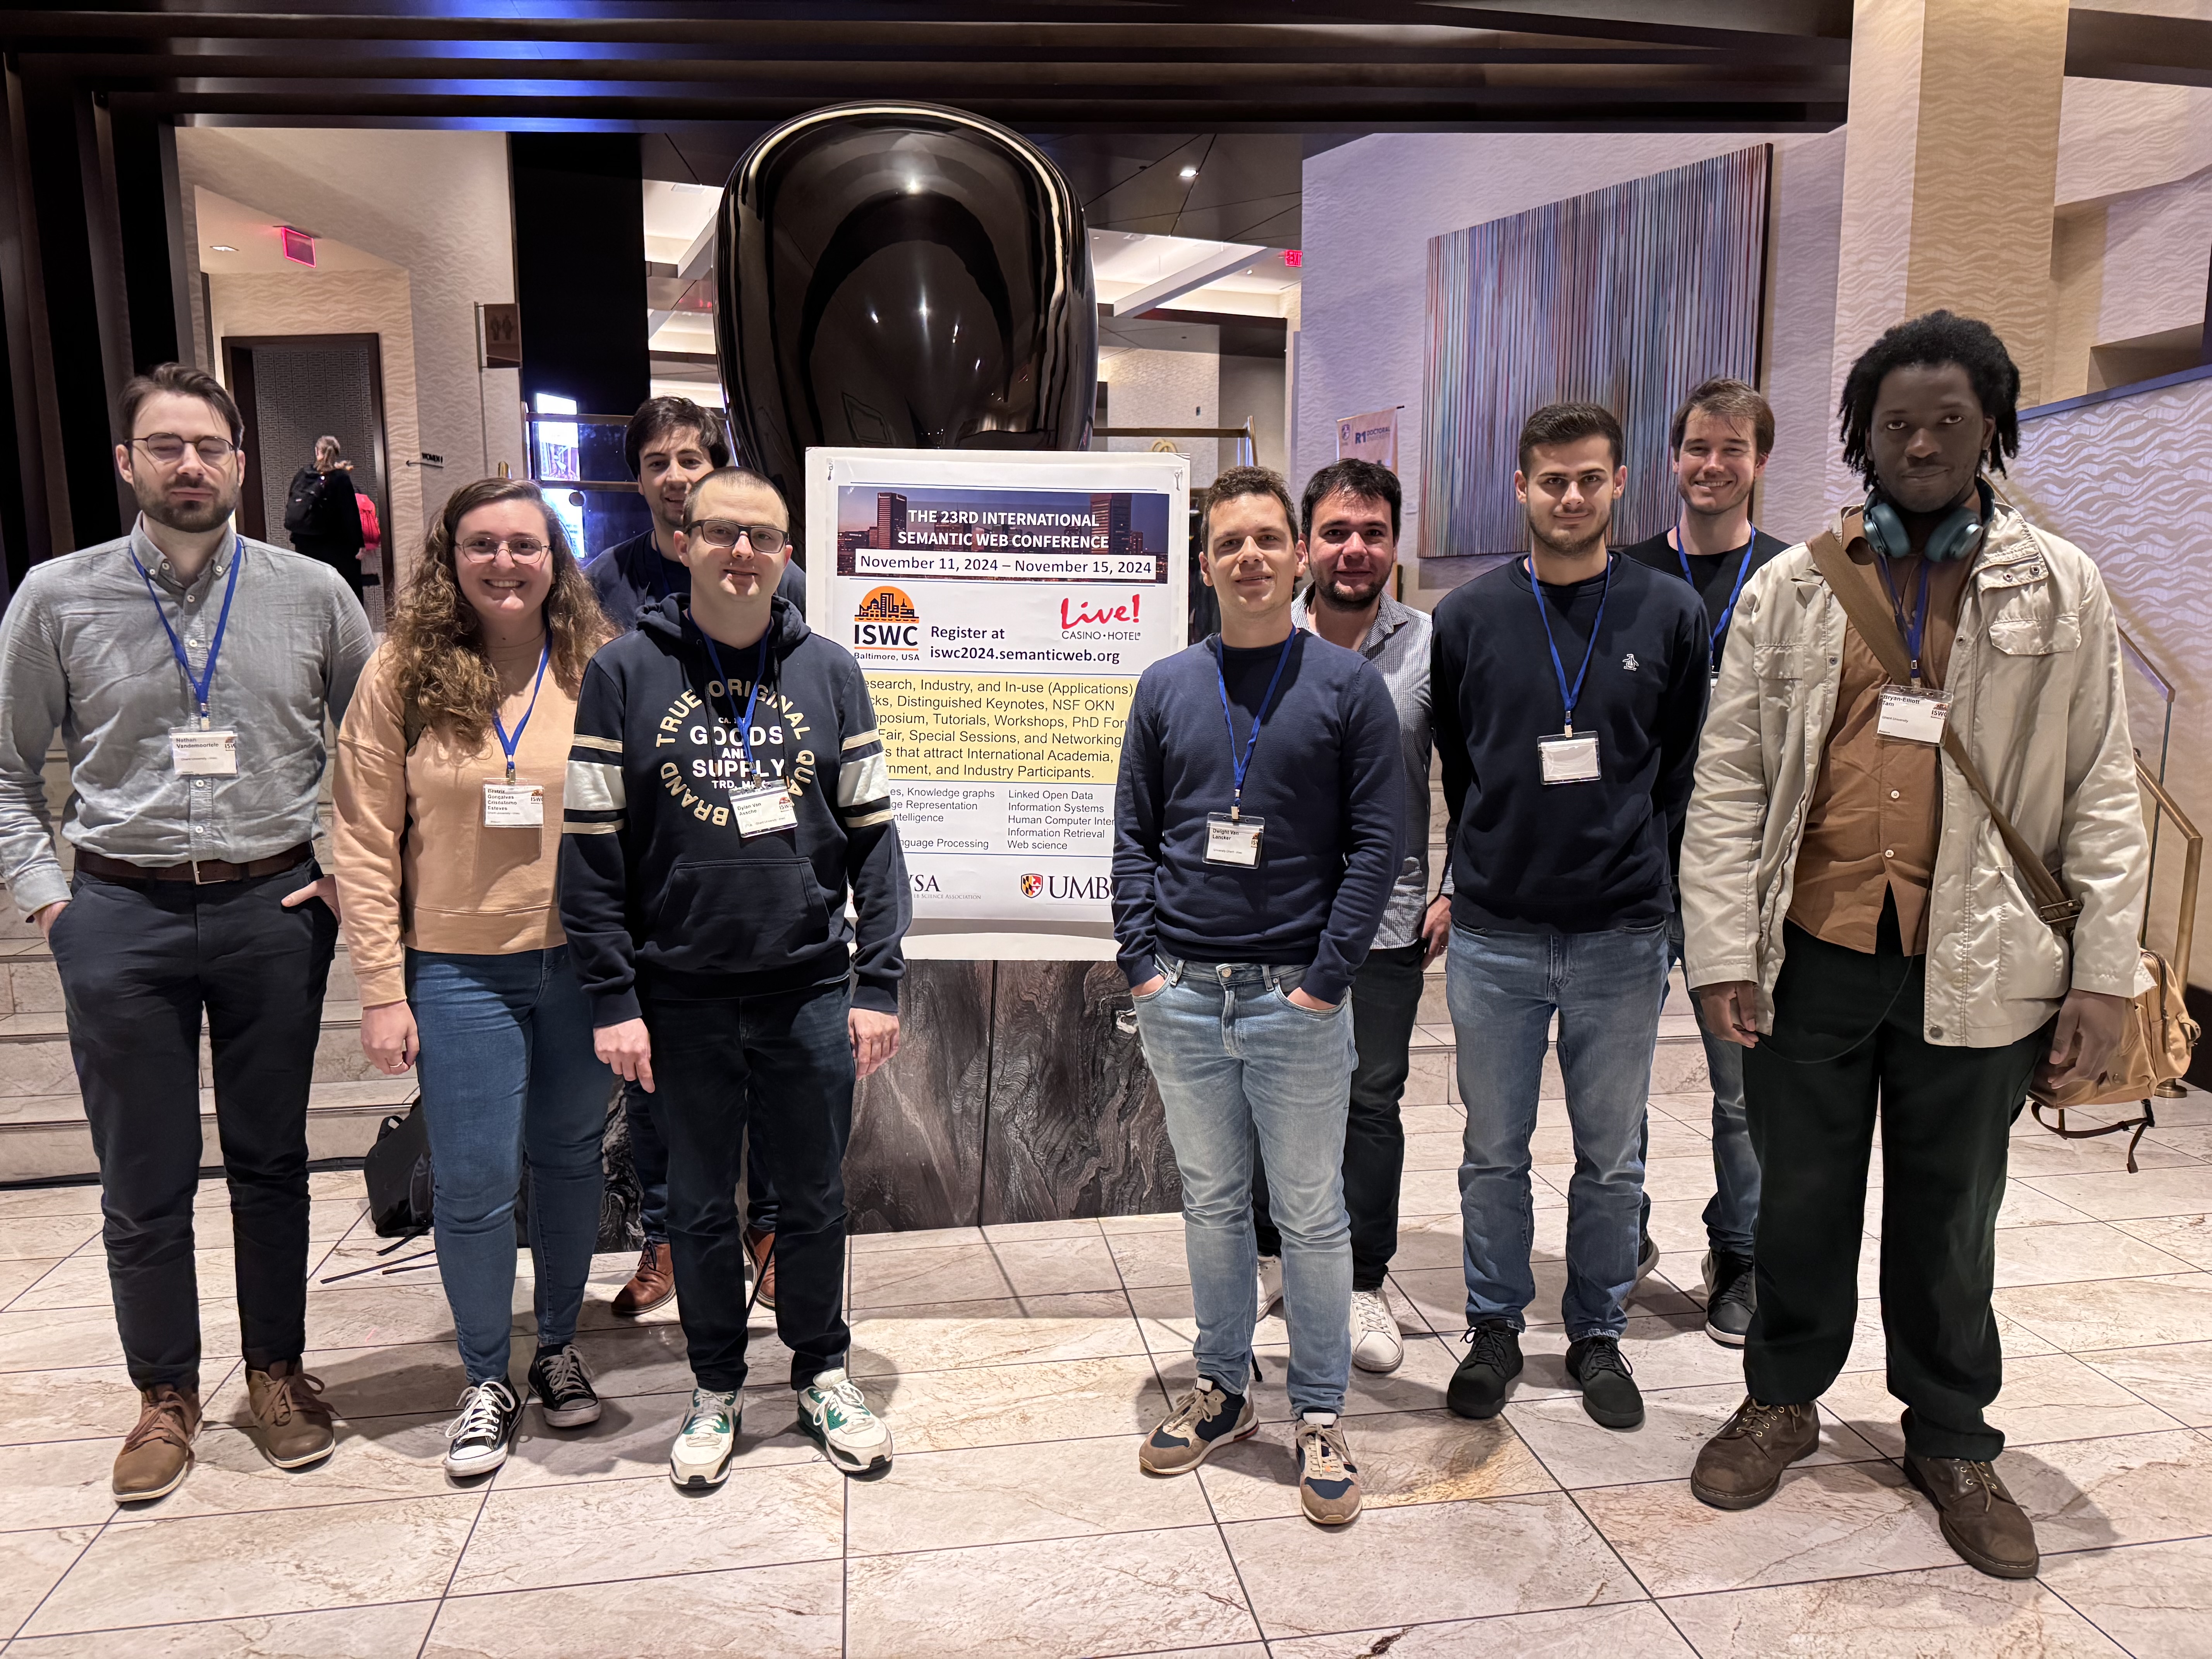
(1002, 606)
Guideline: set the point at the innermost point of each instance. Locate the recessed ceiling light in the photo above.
(221, 247)
(1190, 172)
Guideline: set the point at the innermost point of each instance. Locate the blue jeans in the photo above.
(506, 1067)
(1732, 1214)
(1503, 989)
(1236, 1060)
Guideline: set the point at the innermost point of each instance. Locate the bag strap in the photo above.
(1878, 627)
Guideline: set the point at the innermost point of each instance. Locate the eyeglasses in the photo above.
(721, 534)
(523, 550)
(169, 448)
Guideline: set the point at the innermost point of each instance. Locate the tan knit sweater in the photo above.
(416, 866)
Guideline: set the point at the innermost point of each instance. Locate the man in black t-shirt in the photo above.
(1720, 441)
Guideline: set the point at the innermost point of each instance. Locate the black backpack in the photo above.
(301, 506)
(397, 1171)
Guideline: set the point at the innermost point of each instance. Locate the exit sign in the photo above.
(299, 246)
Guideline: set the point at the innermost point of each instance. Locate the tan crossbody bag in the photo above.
(2159, 1036)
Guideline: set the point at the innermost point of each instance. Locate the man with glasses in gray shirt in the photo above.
(189, 672)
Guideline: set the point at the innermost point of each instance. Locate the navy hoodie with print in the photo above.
(658, 886)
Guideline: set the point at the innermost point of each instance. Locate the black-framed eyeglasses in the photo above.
(523, 550)
(169, 448)
(721, 534)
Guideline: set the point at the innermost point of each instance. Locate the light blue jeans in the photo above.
(1238, 1061)
(1503, 989)
(1732, 1215)
(506, 1067)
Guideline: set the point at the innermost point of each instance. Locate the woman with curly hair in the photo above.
(447, 855)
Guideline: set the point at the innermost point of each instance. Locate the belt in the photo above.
(200, 872)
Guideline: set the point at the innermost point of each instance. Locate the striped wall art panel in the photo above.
(1628, 296)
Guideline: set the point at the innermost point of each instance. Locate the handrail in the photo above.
(1247, 441)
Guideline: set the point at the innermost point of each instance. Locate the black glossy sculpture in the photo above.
(906, 275)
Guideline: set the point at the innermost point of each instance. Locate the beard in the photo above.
(1573, 544)
(1341, 595)
(191, 517)
(1729, 506)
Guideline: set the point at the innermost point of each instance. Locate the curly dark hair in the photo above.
(1364, 481)
(1939, 337)
(445, 679)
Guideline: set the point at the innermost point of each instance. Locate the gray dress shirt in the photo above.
(1397, 643)
(81, 651)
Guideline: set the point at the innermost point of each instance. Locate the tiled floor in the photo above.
(1017, 1369)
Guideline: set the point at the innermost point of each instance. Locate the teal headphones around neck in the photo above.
(1956, 534)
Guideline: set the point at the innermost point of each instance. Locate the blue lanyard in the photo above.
(1728, 610)
(1544, 610)
(203, 680)
(508, 744)
(760, 673)
(1241, 764)
(1912, 631)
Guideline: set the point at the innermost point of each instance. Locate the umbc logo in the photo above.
(1068, 887)
(886, 620)
(1032, 885)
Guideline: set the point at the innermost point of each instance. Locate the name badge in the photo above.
(761, 808)
(1914, 716)
(204, 753)
(1571, 758)
(514, 805)
(1237, 843)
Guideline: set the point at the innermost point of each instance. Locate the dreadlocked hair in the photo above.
(1939, 337)
(444, 677)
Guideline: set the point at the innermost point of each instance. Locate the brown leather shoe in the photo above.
(294, 1425)
(158, 1453)
(1980, 1519)
(760, 1245)
(1740, 1466)
(653, 1283)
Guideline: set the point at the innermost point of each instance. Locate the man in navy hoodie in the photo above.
(726, 792)
(1257, 832)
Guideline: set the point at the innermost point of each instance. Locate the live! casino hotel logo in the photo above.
(887, 625)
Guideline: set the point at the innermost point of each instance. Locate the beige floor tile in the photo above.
(2133, 1489)
(794, 1611)
(1081, 1325)
(1439, 1295)
(1016, 1405)
(2151, 1598)
(1404, 1457)
(31, 1563)
(2039, 1155)
(1834, 1519)
(19, 1273)
(46, 1236)
(1156, 1221)
(2188, 1237)
(2175, 1377)
(393, 1632)
(406, 1379)
(379, 1458)
(1429, 1241)
(1168, 1324)
(1627, 1630)
(51, 1201)
(1150, 1258)
(347, 1316)
(632, 1438)
(70, 1337)
(1015, 1494)
(1047, 1600)
(94, 1401)
(233, 1566)
(2088, 1250)
(972, 1273)
(2030, 1206)
(1438, 1149)
(1436, 1192)
(1952, 1612)
(1426, 1561)
(1578, 1452)
(603, 1532)
(2195, 1140)
(1433, 1120)
(2117, 1314)
(2045, 1398)
(2183, 1191)
(56, 1483)
(1418, 1385)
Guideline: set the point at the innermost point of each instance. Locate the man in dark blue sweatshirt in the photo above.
(1568, 687)
(1257, 833)
(727, 790)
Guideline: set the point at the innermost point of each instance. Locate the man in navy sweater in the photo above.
(1568, 687)
(1257, 833)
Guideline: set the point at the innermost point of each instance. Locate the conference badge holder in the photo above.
(514, 805)
(1570, 757)
(1231, 838)
(1914, 714)
(762, 806)
(205, 752)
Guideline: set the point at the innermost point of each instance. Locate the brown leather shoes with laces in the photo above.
(158, 1453)
(292, 1423)
(1980, 1519)
(1740, 1466)
(761, 1246)
(653, 1283)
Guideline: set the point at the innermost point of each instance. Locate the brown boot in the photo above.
(294, 1424)
(1740, 1466)
(761, 1246)
(1980, 1519)
(653, 1283)
(159, 1451)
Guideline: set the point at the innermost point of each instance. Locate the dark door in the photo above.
(292, 389)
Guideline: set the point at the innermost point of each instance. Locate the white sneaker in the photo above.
(1271, 1286)
(482, 1428)
(1375, 1343)
(701, 1457)
(835, 1413)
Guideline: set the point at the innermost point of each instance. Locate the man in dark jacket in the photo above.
(322, 515)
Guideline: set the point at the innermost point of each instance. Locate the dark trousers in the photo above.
(781, 1069)
(1386, 996)
(1946, 1115)
(345, 560)
(648, 1156)
(138, 962)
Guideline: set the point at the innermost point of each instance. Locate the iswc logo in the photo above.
(887, 623)
(1068, 887)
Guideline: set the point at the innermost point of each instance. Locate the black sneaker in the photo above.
(1610, 1392)
(478, 1438)
(559, 1380)
(1493, 1360)
(1731, 1298)
(1647, 1259)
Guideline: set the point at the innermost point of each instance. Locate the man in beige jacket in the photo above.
(1856, 922)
